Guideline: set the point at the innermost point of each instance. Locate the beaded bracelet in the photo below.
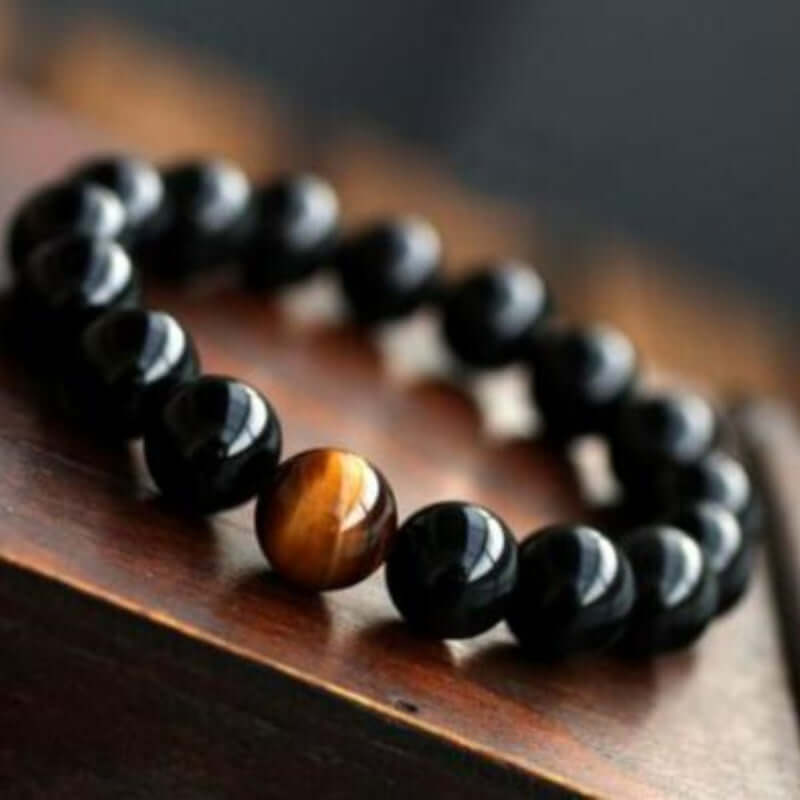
(327, 518)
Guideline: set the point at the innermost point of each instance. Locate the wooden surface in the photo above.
(177, 657)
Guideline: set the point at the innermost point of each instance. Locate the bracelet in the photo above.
(327, 518)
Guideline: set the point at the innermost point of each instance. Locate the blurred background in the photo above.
(645, 155)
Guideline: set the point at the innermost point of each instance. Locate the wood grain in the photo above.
(154, 652)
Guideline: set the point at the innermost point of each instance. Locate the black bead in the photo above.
(728, 550)
(490, 316)
(581, 378)
(64, 208)
(138, 186)
(676, 591)
(656, 431)
(452, 570)
(203, 220)
(127, 363)
(574, 592)
(390, 269)
(291, 228)
(70, 281)
(213, 444)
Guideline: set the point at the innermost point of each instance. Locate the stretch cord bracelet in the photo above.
(327, 518)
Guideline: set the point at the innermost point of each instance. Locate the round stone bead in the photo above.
(64, 208)
(291, 228)
(390, 269)
(325, 519)
(581, 378)
(136, 183)
(574, 592)
(203, 219)
(69, 281)
(656, 431)
(490, 316)
(452, 570)
(727, 549)
(127, 364)
(213, 444)
(676, 590)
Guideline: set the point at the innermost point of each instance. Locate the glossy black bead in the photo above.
(203, 219)
(653, 432)
(390, 269)
(291, 228)
(676, 590)
(574, 592)
(70, 281)
(127, 363)
(728, 550)
(452, 569)
(64, 208)
(581, 378)
(138, 186)
(213, 445)
(490, 316)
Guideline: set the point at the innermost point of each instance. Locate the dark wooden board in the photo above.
(127, 629)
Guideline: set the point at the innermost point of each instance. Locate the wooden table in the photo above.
(148, 655)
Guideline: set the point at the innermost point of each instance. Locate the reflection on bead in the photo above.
(213, 444)
(291, 227)
(490, 316)
(581, 378)
(728, 551)
(326, 519)
(452, 570)
(390, 269)
(574, 592)
(60, 209)
(70, 281)
(127, 363)
(676, 591)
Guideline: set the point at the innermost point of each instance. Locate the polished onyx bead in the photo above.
(390, 269)
(657, 431)
(581, 378)
(326, 519)
(213, 444)
(69, 281)
(126, 365)
(203, 219)
(64, 208)
(728, 550)
(574, 592)
(490, 316)
(452, 570)
(138, 186)
(291, 228)
(676, 590)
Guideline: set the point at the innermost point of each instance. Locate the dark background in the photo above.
(678, 122)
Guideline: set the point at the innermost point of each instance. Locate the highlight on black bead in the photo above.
(490, 315)
(213, 444)
(574, 592)
(676, 590)
(452, 569)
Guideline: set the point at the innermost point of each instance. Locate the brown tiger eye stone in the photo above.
(326, 519)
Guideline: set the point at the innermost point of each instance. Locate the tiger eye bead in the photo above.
(213, 444)
(326, 519)
(574, 592)
(291, 227)
(126, 365)
(58, 209)
(490, 316)
(676, 590)
(390, 269)
(452, 569)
